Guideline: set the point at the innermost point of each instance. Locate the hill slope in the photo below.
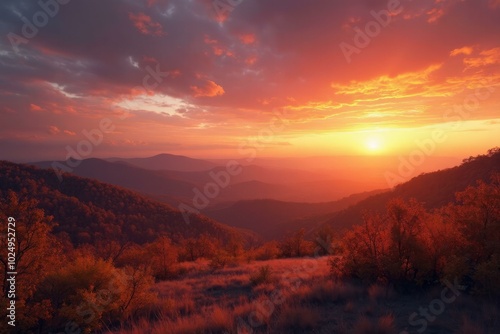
(88, 210)
(432, 189)
(272, 219)
(121, 174)
(168, 162)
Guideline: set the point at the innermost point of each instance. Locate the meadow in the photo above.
(300, 295)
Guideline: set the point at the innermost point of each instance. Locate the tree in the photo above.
(323, 241)
(162, 255)
(477, 217)
(295, 245)
(405, 220)
(36, 254)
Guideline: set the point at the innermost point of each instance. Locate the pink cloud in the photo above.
(146, 25)
(248, 38)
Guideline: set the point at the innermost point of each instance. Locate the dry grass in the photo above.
(384, 325)
(300, 298)
(297, 319)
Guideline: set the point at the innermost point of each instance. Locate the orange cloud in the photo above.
(251, 60)
(487, 57)
(217, 49)
(211, 89)
(146, 25)
(54, 130)
(248, 38)
(35, 107)
(435, 14)
(403, 85)
(466, 50)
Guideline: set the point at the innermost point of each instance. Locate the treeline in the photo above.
(409, 246)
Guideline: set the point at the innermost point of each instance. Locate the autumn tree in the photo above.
(405, 253)
(362, 249)
(323, 241)
(477, 217)
(296, 245)
(194, 248)
(36, 254)
(162, 256)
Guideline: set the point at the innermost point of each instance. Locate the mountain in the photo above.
(87, 210)
(272, 219)
(148, 182)
(434, 189)
(283, 184)
(168, 162)
(252, 182)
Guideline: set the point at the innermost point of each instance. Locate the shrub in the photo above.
(298, 319)
(262, 275)
(219, 260)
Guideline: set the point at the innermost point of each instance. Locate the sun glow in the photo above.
(373, 145)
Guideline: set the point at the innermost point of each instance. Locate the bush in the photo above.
(219, 260)
(261, 276)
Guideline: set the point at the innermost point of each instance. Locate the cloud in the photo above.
(34, 107)
(54, 130)
(146, 25)
(247, 38)
(466, 50)
(210, 89)
(485, 58)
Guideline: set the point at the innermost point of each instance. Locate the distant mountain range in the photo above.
(87, 210)
(172, 179)
(167, 162)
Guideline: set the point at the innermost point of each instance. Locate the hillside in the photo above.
(434, 189)
(87, 210)
(272, 219)
(168, 162)
(148, 182)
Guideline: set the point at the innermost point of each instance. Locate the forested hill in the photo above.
(88, 210)
(432, 189)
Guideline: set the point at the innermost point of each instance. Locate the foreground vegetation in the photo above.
(300, 296)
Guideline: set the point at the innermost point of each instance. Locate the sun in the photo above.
(373, 145)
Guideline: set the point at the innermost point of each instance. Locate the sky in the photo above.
(220, 78)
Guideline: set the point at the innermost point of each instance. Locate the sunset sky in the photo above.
(274, 74)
